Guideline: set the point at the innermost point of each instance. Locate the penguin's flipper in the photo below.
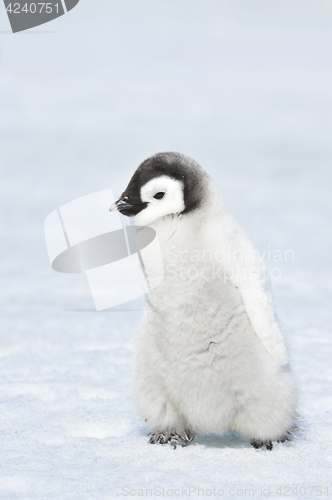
(248, 273)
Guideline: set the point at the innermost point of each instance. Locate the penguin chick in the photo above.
(210, 356)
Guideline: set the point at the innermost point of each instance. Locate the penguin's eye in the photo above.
(160, 195)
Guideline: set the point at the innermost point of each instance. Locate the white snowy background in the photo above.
(241, 86)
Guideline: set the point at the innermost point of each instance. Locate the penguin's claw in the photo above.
(174, 439)
(259, 444)
(288, 436)
(180, 440)
(159, 437)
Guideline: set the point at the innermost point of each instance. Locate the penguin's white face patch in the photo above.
(164, 196)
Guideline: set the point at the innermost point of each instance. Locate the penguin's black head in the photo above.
(165, 184)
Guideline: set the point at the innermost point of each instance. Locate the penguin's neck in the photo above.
(179, 230)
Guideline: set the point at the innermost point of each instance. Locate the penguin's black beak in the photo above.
(121, 206)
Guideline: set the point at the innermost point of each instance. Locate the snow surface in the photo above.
(243, 88)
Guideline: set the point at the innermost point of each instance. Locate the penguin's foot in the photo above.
(288, 436)
(174, 439)
(259, 444)
(159, 437)
(180, 440)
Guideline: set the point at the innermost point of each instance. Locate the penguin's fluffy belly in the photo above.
(215, 383)
(217, 392)
(201, 393)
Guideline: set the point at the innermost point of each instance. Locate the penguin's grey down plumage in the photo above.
(210, 355)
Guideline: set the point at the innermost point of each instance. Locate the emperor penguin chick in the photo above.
(210, 356)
